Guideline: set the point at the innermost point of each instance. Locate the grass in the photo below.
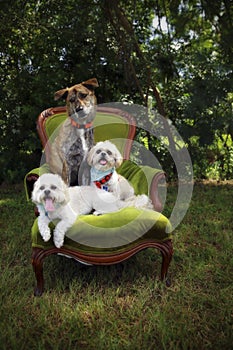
(122, 306)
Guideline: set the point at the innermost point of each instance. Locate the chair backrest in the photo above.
(109, 124)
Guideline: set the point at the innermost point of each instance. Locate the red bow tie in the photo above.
(103, 181)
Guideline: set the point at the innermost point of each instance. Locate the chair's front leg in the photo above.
(37, 263)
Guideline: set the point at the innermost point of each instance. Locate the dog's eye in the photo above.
(109, 153)
(72, 99)
(53, 187)
(98, 151)
(42, 188)
(82, 96)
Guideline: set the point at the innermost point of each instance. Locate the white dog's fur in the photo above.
(104, 158)
(55, 200)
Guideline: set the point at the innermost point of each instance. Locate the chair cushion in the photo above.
(111, 232)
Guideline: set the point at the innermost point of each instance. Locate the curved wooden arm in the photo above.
(154, 191)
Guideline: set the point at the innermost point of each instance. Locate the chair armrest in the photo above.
(144, 179)
(154, 190)
(31, 177)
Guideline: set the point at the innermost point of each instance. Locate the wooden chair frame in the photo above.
(164, 247)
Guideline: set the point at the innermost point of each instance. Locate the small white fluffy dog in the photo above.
(55, 200)
(104, 158)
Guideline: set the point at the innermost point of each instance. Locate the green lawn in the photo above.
(122, 306)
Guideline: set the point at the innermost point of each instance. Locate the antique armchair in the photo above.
(110, 238)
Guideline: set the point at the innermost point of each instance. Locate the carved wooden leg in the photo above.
(167, 252)
(37, 263)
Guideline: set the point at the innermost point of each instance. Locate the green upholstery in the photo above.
(110, 232)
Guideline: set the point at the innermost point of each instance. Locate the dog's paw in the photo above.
(97, 213)
(58, 243)
(46, 234)
(58, 238)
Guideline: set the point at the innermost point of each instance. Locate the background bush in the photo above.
(177, 53)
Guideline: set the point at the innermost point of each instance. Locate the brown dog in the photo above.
(69, 149)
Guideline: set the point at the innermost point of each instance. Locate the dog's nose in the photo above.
(47, 192)
(103, 154)
(78, 109)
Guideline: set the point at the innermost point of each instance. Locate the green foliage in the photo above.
(123, 306)
(183, 49)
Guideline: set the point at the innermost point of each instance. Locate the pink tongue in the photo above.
(103, 161)
(49, 204)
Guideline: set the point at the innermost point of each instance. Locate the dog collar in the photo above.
(100, 178)
(42, 208)
(80, 126)
(97, 175)
(102, 183)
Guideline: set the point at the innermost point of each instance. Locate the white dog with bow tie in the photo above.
(104, 158)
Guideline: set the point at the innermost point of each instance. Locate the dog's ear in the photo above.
(118, 160)
(90, 84)
(34, 195)
(61, 94)
(118, 157)
(90, 156)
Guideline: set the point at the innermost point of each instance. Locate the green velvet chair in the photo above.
(110, 238)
